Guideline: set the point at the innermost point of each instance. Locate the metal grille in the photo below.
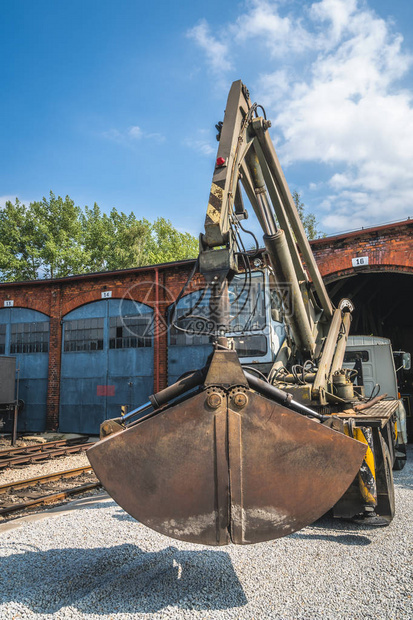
(247, 314)
(29, 337)
(130, 332)
(193, 325)
(247, 305)
(83, 335)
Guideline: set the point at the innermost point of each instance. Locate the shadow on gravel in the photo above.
(123, 516)
(343, 539)
(336, 530)
(403, 479)
(121, 579)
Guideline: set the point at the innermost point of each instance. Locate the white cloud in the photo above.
(279, 34)
(129, 136)
(216, 51)
(201, 143)
(334, 83)
(314, 186)
(6, 198)
(338, 13)
(135, 132)
(201, 146)
(12, 198)
(113, 134)
(157, 137)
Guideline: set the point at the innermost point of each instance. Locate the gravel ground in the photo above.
(99, 563)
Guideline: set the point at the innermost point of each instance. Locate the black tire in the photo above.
(385, 485)
(400, 462)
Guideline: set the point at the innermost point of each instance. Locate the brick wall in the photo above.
(388, 248)
(59, 297)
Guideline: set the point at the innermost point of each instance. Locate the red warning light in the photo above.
(221, 161)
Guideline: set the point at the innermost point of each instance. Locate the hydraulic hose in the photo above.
(280, 396)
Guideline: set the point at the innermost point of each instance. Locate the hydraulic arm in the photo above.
(246, 156)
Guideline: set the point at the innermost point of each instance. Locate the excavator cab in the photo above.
(227, 454)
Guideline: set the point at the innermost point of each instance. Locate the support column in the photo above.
(55, 351)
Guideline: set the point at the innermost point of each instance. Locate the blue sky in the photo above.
(116, 102)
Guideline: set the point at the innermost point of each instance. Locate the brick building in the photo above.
(87, 344)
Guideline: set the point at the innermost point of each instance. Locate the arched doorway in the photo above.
(24, 334)
(107, 362)
(383, 303)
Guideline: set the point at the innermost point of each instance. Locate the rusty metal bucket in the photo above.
(231, 468)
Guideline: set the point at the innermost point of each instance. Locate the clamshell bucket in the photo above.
(226, 465)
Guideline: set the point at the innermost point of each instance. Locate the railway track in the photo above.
(41, 452)
(47, 489)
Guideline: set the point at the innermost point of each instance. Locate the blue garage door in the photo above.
(25, 334)
(107, 362)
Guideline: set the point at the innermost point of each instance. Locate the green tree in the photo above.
(130, 238)
(119, 241)
(19, 259)
(55, 238)
(168, 244)
(113, 241)
(309, 220)
(41, 240)
(95, 238)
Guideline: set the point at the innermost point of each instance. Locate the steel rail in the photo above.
(22, 484)
(41, 447)
(42, 456)
(50, 499)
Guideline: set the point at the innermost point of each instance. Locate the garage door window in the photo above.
(83, 335)
(29, 337)
(130, 332)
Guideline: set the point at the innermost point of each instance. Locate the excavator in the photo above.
(230, 453)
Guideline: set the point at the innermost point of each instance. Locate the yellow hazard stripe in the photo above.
(369, 457)
(367, 496)
(217, 191)
(213, 214)
(369, 472)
